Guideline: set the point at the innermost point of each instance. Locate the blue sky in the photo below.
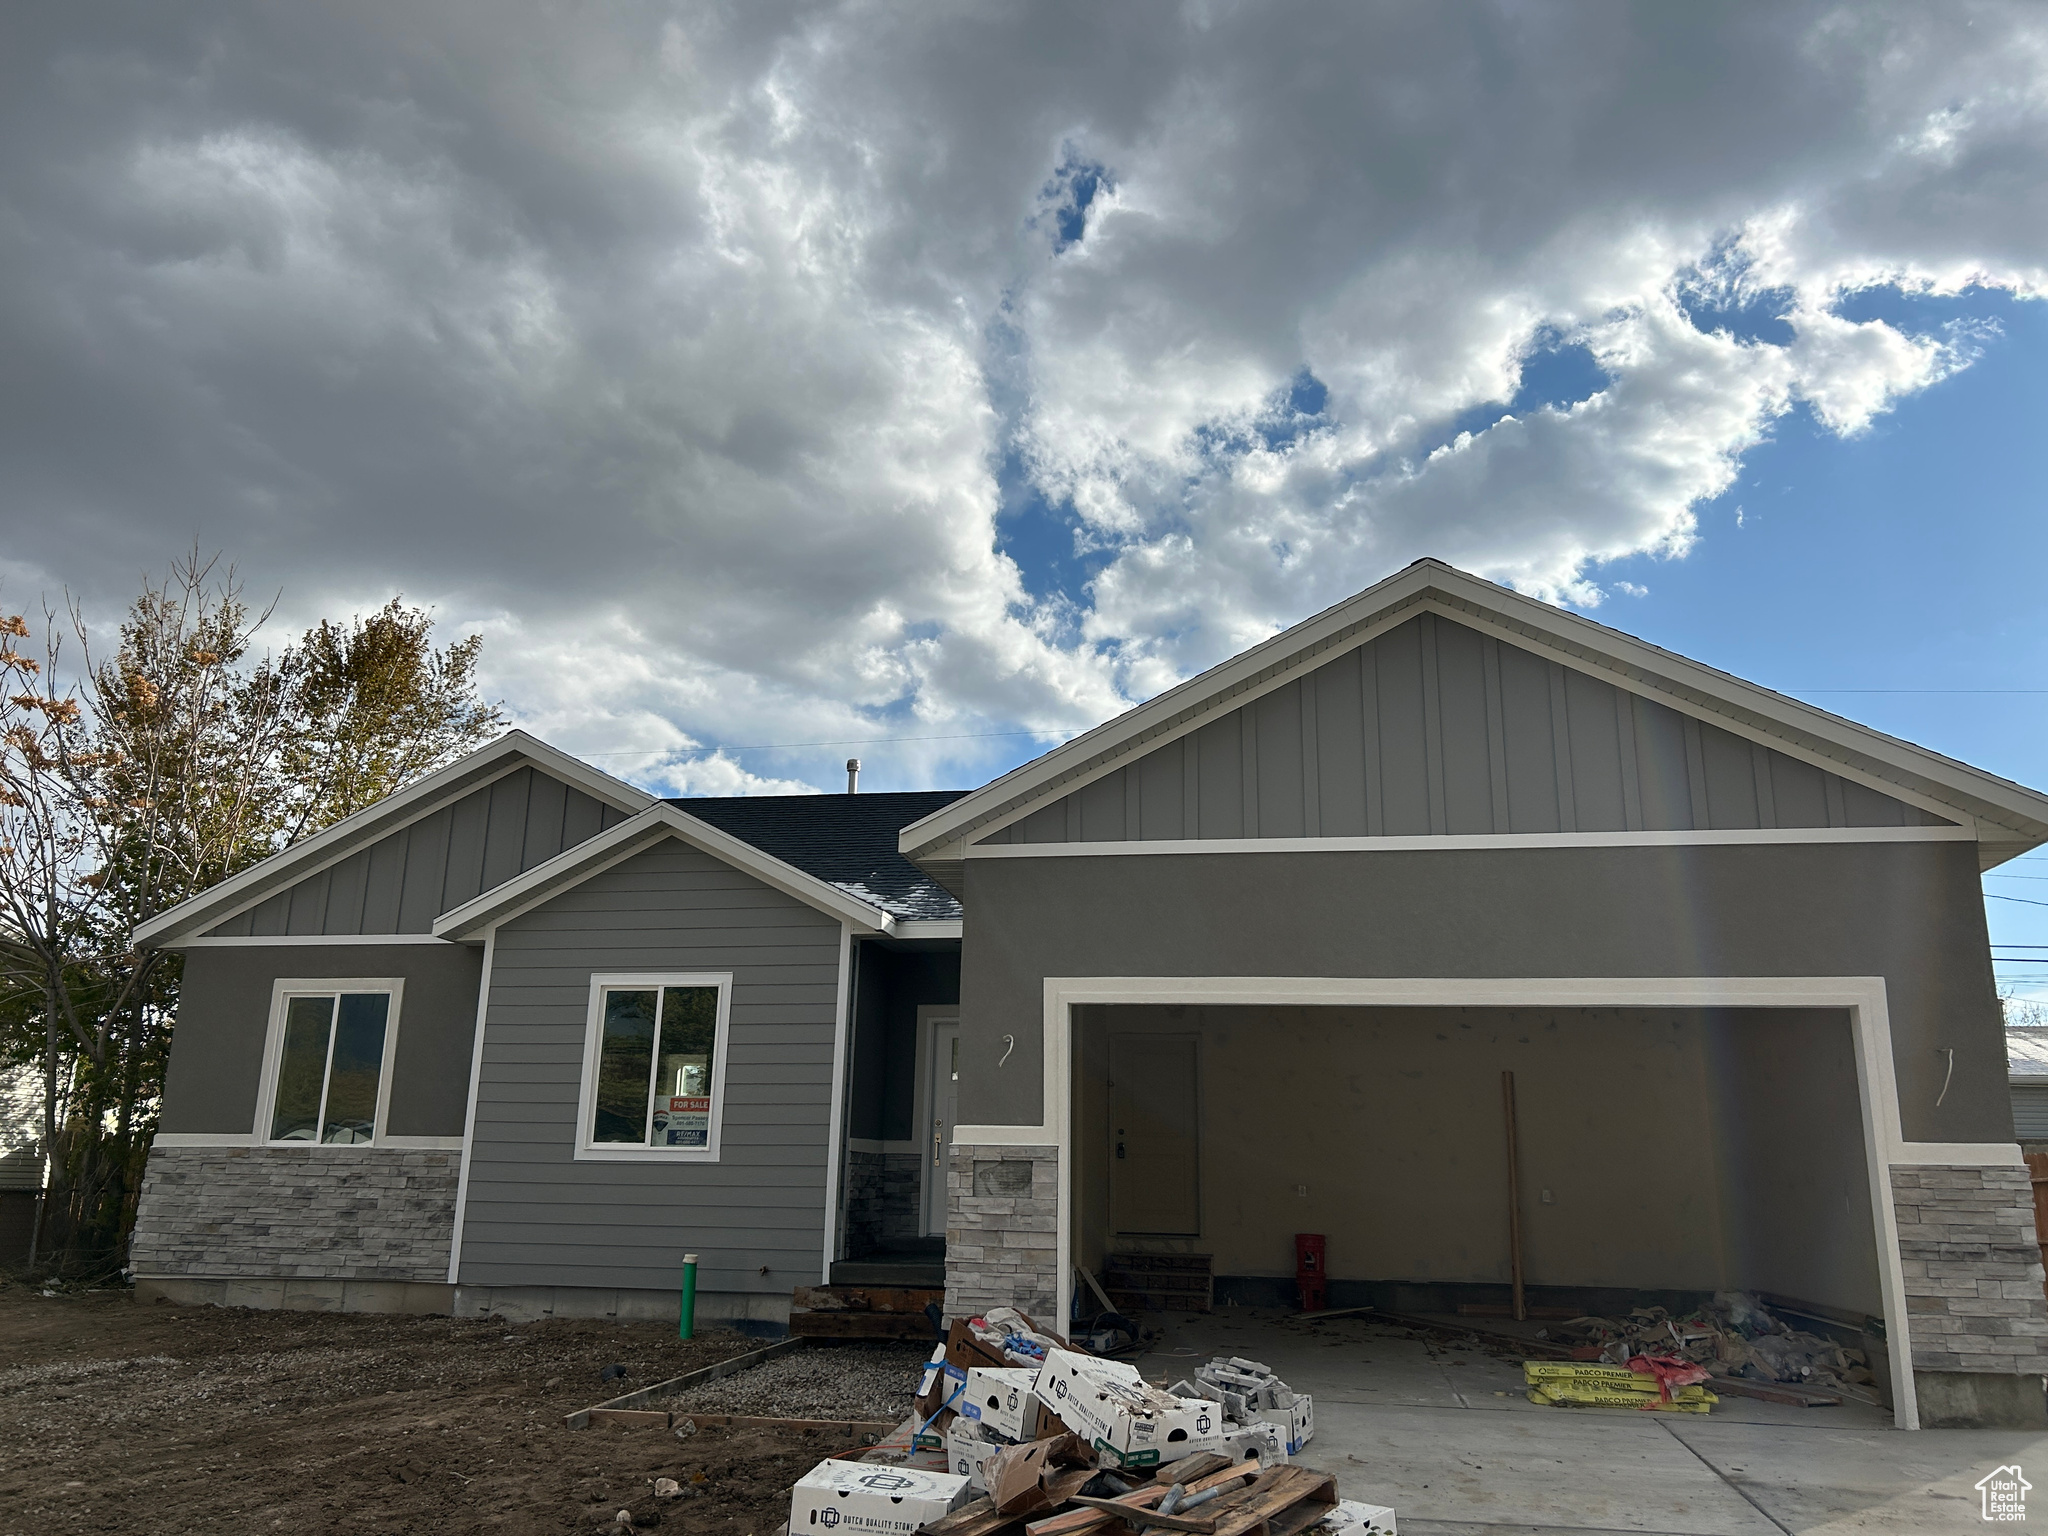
(755, 377)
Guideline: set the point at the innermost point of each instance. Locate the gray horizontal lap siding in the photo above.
(536, 1215)
(1434, 728)
(401, 883)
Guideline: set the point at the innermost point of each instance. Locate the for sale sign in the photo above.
(682, 1120)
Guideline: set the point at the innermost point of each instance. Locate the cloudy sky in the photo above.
(947, 378)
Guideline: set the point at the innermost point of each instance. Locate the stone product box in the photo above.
(1295, 1424)
(866, 1499)
(968, 1445)
(1128, 1423)
(1350, 1518)
(1003, 1401)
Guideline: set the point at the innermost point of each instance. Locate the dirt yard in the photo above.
(163, 1420)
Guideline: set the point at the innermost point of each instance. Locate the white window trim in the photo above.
(588, 1151)
(287, 987)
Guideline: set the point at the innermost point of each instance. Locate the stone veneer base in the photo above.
(1002, 1231)
(311, 1213)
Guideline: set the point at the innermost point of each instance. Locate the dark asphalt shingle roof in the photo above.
(847, 840)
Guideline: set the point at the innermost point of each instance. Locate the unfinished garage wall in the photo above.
(1391, 1119)
(1790, 1159)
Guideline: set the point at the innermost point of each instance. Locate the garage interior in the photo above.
(1663, 1154)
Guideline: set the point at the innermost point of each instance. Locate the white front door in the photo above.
(943, 1097)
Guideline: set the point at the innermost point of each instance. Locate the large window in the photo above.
(328, 1062)
(654, 1066)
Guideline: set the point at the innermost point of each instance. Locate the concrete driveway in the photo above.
(1443, 1433)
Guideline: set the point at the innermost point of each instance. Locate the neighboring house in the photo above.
(2026, 1060)
(1248, 961)
(21, 1160)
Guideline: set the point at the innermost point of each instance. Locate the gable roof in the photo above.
(2007, 818)
(656, 824)
(845, 840)
(443, 787)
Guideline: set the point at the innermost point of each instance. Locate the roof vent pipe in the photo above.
(853, 775)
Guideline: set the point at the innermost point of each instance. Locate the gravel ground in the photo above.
(819, 1381)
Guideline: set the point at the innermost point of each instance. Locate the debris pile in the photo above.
(1252, 1395)
(1020, 1433)
(1735, 1337)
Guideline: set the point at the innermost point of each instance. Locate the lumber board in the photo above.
(1541, 1349)
(1201, 1525)
(1773, 1392)
(852, 1429)
(1207, 1470)
(718, 1370)
(977, 1517)
(861, 1325)
(1280, 1489)
(865, 1298)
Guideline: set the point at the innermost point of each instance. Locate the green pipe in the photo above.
(687, 1327)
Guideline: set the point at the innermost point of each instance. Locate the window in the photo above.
(654, 1066)
(327, 1066)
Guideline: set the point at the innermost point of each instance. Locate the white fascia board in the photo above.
(1800, 730)
(332, 844)
(927, 928)
(634, 835)
(1049, 775)
(1460, 841)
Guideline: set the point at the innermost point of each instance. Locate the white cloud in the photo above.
(683, 351)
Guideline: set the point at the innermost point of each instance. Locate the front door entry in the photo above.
(944, 1098)
(1154, 1136)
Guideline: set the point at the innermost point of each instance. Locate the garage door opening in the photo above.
(1665, 1154)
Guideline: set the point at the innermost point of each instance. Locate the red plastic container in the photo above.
(1310, 1254)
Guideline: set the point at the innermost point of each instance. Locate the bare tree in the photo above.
(131, 782)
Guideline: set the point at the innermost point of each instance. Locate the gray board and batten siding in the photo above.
(538, 1217)
(403, 881)
(1436, 729)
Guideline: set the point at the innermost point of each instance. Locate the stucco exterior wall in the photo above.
(1909, 912)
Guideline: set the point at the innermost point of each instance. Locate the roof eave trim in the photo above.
(331, 844)
(1909, 770)
(657, 823)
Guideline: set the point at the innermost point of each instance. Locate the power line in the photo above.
(789, 746)
(1995, 896)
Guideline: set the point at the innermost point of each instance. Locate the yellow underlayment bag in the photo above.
(1558, 1384)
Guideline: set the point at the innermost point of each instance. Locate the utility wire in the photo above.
(788, 746)
(1995, 896)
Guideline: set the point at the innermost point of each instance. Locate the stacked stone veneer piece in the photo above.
(346, 1213)
(1002, 1231)
(1972, 1269)
(881, 1200)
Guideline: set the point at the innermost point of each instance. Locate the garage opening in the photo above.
(1663, 1155)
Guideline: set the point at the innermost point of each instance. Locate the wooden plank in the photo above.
(852, 1429)
(1277, 1490)
(1773, 1392)
(1541, 1349)
(861, 1325)
(866, 1298)
(716, 1371)
(977, 1517)
(1207, 1470)
(1202, 1525)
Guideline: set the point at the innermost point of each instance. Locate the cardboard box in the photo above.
(866, 1499)
(1350, 1518)
(1125, 1421)
(1003, 1401)
(968, 1447)
(1296, 1423)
